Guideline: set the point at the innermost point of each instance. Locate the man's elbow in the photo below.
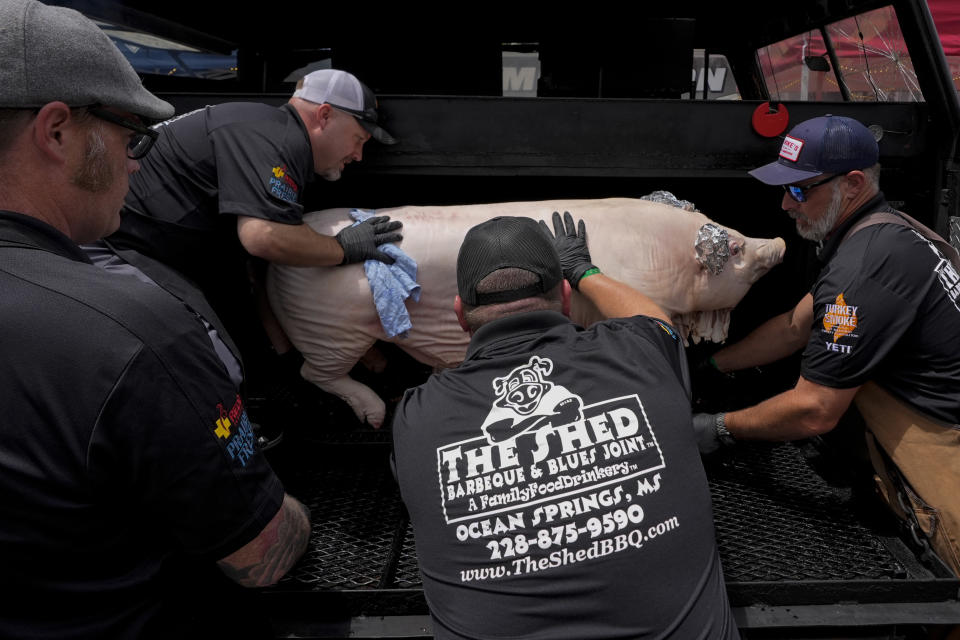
(259, 238)
(817, 423)
(821, 408)
(817, 418)
(263, 561)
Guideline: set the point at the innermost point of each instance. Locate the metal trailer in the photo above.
(807, 551)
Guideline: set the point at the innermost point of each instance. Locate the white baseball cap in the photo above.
(345, 92)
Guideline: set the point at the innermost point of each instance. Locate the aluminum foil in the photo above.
(713, 247)
(668, 198)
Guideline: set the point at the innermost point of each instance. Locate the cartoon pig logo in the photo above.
(523, 388)
(527, 400)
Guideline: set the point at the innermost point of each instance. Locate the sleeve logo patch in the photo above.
(234, 427)
(282, 185)
(670, 332)
(791, 148)
(839, 320)
(950, 280)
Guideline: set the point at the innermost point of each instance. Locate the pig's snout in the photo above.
(771, 252)
(768, 254)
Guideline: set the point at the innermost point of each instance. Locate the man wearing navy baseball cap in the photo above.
(880, 328)
(817, 152)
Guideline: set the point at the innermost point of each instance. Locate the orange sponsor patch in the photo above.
(840, 318)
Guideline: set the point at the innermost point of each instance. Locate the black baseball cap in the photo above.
(506, 242)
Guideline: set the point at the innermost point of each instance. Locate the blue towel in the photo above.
(391, 284)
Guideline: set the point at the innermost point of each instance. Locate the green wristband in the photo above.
(589, 272)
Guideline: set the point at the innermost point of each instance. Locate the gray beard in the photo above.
(824, 225)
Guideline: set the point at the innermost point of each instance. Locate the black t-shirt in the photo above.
(240, 158)
(556, 490)
(123, 443)
(887, 309)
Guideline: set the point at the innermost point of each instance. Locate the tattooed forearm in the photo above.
(264, 560)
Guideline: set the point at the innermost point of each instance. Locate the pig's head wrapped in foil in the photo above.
(713, 247)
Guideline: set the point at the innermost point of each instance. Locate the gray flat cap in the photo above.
(54, 54)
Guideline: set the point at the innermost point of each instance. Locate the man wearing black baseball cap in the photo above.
(125, 450)
(880, 326)
(553, 478)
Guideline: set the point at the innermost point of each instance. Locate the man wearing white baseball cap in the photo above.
(125, 450)
(226, 183)
(879, 327)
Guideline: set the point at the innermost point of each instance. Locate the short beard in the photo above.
(331, 175)
(94, 175)
(824, 225)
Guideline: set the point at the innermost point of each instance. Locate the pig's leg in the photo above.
(329, 317)
(329, 352)
(366, 405)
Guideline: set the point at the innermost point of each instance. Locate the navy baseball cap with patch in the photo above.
(828, 144)
(345, 92)
(501, 243)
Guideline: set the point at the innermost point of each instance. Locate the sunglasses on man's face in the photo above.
(800, 193)
(140, 143)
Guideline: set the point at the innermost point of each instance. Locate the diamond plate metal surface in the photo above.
(776, 519)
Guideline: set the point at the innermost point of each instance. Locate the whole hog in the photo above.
(695, 270)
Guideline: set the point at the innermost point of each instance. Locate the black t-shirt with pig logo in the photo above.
(555, 487)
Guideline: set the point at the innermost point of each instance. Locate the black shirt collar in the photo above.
(831, 242)
(289, 108)
(513, 326)
(24, 230)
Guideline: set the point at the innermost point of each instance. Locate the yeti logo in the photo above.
(523, 388)
(526, 401)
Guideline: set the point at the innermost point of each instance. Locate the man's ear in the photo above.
(54, 129)
(566, 294)
(857, 182)
(458, 308)
(324, 113)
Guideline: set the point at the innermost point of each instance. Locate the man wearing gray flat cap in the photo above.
(124, 447)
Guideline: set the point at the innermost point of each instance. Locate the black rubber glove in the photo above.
(705, 428)
(712, 388)
(572, 246)
(362, 241)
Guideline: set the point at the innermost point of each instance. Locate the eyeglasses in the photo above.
(800, 193)
(139, 144)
